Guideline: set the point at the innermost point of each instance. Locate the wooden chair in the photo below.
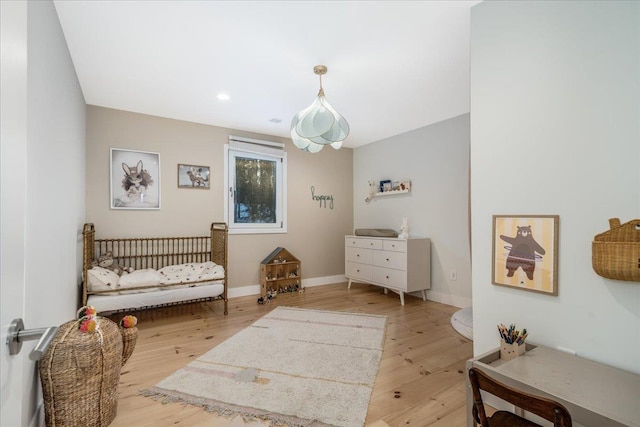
(541, 406)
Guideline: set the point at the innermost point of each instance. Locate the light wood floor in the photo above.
(423, 357)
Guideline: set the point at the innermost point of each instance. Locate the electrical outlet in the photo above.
(453, 275)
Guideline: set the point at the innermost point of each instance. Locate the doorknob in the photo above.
(18, 334)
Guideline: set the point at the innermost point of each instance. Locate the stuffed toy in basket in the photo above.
(80, 370)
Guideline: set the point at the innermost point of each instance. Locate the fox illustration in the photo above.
(197, 180)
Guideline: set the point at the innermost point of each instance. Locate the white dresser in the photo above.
(396, 264)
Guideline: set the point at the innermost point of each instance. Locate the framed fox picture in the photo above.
(193, 176)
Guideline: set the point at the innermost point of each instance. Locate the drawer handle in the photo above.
(387, 277)
(358, 271)
(371, 243)
(387, 259)
(358, 255)
(393, 246)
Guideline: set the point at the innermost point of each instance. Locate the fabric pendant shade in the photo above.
(319, 124)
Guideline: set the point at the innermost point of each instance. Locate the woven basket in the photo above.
(80, 372)
(129, 339)
(616, 253)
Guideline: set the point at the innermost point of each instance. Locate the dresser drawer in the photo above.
(394, 245)
(360, 255)
(359, 271)
(390, 277)
(359, 242)
(387, 259)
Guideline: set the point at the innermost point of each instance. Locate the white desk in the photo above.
(595, 394)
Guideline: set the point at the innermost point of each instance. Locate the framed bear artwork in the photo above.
(525, 252)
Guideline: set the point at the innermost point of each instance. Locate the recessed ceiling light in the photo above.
(223, 97)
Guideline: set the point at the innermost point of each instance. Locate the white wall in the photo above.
(50, 185)
(555, 102)
(13, 160)
(436, 160)
(56, 164)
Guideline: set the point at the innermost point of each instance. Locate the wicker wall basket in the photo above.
(616, 253)
(80, 372)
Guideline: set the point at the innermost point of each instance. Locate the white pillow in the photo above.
(138, 278)
(102, 279)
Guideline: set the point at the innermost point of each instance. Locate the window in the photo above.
(256, 183)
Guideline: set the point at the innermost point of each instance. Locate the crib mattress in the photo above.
(105, 303)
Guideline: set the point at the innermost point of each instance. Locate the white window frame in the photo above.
(254, 148)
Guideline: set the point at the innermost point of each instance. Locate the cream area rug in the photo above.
(293, 366)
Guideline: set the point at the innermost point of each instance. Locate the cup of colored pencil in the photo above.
(511, 341)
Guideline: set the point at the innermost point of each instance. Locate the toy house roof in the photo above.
(279, 252)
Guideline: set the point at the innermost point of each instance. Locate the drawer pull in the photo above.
(358, 255)
(358, 271)
(387, 277)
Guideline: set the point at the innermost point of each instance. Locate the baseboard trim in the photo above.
(244, 291)
(448, 299)
(443, 298)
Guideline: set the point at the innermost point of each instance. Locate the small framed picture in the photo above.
(135, 179)
(525, 252)
(405, 186)
(193, 176)
(385, 185)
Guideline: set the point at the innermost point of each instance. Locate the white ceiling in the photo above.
(394, 66)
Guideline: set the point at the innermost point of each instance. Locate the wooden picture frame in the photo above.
(525, 252)
(194, 176)
(134, 179)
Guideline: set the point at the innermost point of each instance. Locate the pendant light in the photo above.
(319, 124)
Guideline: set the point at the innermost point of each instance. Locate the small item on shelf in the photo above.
(387, 188)
(385, 185)
(512, 341)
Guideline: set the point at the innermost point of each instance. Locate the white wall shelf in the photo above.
(406, 185)
(391, 193)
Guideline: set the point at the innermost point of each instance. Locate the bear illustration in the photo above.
(522, 252)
